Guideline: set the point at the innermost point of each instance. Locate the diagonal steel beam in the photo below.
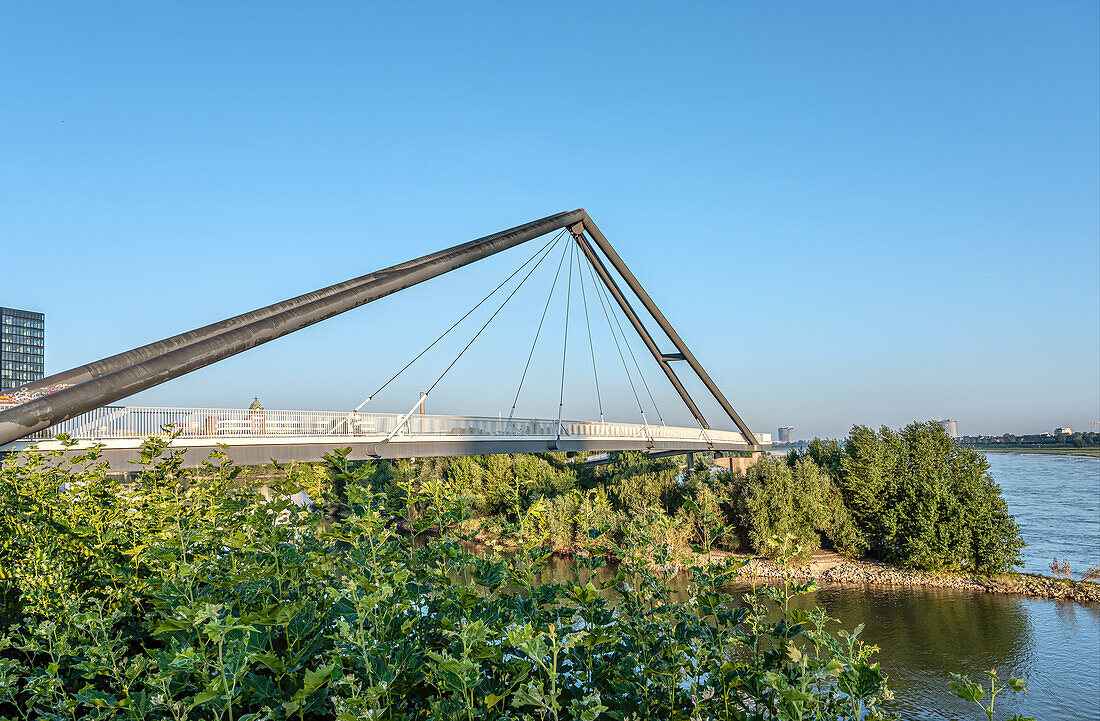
(655, 312)
(43, 412)
(104, 366)
(577, 232)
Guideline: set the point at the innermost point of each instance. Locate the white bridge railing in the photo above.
(225, 424)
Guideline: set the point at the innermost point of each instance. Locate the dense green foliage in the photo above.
(921, 500)
(913, 497)
(798, 503)
(190, 596)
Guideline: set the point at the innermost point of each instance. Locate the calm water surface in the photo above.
(926, 634)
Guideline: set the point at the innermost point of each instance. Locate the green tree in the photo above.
(826, 453)
(922, 500)
(867, 477)
(792, 505)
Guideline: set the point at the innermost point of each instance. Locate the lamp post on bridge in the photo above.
(257, 422)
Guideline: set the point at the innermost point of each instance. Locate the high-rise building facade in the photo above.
(952, 427)
(22, 347)
(786, 434)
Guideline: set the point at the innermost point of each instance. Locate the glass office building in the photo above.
(22, 347)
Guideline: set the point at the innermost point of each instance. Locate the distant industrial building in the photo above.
(786, 434)
(952, 427)
(1063, 431)
(22, 347)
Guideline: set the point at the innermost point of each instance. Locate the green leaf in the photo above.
(314, 680)
(272, 661)
(203, 697)
(966, 689)
(169, 625)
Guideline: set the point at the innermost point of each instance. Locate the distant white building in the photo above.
(786, 434)
(952, 427)
(1063, 431)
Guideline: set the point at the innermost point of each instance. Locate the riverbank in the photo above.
(829, 567)
(1039, 451)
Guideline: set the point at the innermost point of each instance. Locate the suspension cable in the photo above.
(591, 347)
(565, 340)
(626, 342)
(494, 315)
(405, 367)
(615, 338)
(530, 355)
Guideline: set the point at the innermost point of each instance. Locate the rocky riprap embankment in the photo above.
(827, 567)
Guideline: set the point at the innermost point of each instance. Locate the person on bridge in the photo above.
(356, 423)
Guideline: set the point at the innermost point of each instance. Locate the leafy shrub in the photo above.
(161, 600)
(924, 501)
(599, 523)
(642, 492)
(555, 521)
(787, 505)
(539, 477)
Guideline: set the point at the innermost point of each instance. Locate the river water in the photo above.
(926, 634)
(1056, 501)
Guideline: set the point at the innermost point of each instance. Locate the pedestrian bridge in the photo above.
(79, 402)
(256, 436)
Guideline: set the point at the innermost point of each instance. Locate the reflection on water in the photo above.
(925, 634)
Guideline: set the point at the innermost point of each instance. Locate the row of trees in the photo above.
(912, 497)
(1069, 440)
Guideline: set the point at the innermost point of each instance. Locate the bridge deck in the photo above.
(258, 436)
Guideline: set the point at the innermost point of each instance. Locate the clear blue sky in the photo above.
(854, 212)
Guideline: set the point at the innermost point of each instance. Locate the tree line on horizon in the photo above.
(1078, 439)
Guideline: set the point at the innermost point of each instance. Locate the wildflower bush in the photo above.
(189, 596)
